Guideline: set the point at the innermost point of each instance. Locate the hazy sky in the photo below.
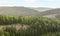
(31, 3)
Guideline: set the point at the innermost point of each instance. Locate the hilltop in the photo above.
(18, 11)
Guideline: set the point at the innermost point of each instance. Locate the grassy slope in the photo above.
(18, 11)
(53, 13)
(41, 9)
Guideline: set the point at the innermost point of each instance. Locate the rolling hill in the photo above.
(41, 9)
(51, 13)
(18, 11)
(27, 11)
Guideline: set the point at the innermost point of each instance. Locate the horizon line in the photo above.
(27, 6)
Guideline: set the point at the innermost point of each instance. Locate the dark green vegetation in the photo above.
(38, 26)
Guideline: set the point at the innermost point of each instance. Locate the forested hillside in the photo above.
(37, 26)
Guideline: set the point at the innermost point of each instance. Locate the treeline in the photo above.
(7, 20)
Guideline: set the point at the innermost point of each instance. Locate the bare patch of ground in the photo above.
(51, 15)
(17, 26)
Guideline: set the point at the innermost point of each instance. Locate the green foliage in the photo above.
(38, 26)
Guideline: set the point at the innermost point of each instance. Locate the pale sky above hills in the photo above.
(31, 3)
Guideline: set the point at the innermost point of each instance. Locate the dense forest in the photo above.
(37, 26)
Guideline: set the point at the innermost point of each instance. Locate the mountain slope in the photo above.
(18, 11)
(41, 9)
(53, 12)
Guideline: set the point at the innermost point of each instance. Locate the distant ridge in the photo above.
(41, 9)
(18, 11)
(53, 12)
